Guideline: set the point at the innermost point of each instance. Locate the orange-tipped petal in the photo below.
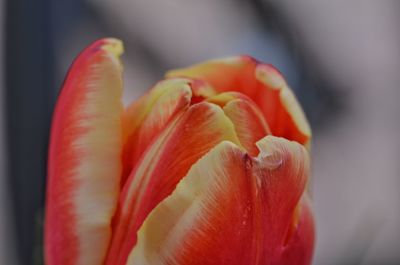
(263, 84)
(249, 122)
(182, 143)
(84, 158)
(229, 209)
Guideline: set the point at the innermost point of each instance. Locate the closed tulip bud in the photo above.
(210, 166)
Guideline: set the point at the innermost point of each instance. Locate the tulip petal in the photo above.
(263, 84)
(249, 122)
(299, 246)
(287, 118)
(147, 117)
(84, 158)
(229, 209)
(169, 158)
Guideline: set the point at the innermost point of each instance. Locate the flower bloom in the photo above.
(211, 166)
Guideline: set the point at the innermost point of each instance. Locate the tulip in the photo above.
(211, 166)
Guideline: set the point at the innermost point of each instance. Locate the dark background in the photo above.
(342, 59)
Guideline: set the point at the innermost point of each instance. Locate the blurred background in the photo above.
(342, 58)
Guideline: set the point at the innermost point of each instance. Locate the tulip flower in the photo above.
(211, 166)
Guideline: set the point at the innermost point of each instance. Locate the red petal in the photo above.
(299, 246)
(148, 116)
(229, 209)
(84, 158)
(181, 144)
(263, 84)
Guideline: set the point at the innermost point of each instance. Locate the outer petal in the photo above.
(249, 122)
(263, 84)
(182, 143)
(300, 241)
(84, 158)
(229, 209)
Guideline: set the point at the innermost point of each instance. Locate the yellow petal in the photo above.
(249, 122)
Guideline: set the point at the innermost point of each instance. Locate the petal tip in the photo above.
(273, 79)
(272, 148)
(113, 46)
(293, 107)
(270, 76)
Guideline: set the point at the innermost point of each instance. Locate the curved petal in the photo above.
(84, 158)
(249, 122)
(169, 158)
(263, 84)
(226, 74)
(229, 209)
(300, 243)
(286, 118)
(146, 118)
